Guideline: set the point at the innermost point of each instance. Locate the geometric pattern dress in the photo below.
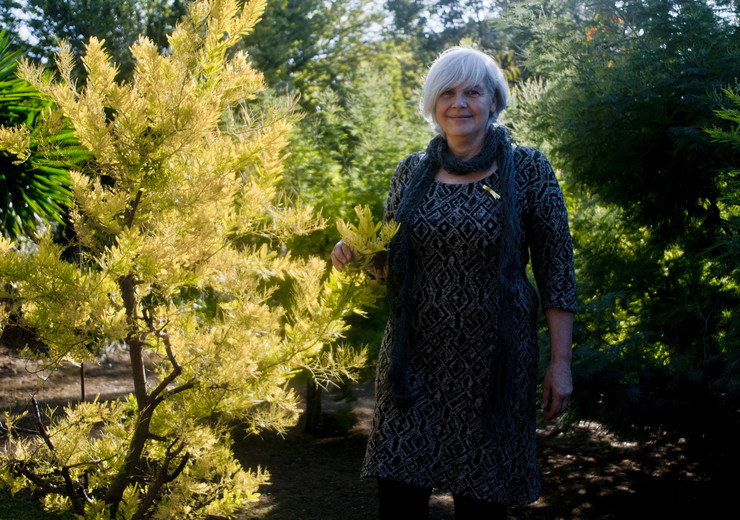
(439, 440)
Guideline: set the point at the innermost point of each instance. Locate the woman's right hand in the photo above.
(341, 255)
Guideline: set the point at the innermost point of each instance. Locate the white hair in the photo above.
(462, 67)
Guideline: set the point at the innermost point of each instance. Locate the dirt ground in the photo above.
(587, 473)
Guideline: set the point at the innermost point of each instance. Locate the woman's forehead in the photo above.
(465, 84)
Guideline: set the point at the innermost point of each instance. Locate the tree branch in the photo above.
(163, 477)
(127, 285)
(39, 481)
(70, 489)
(41, 428)
(176, 368)
(131, 210)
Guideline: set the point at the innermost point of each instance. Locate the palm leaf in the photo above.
(37, 188)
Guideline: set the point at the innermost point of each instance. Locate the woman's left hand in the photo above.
(557, 389)
(558, 384)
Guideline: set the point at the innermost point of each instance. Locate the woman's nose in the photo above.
(460, 100)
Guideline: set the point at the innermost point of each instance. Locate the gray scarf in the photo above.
(497, 415)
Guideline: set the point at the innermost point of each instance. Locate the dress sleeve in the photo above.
(547, 232)
(399, 181)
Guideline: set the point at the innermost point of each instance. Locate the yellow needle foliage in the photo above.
(178, 255)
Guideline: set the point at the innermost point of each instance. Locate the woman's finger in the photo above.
(340, 255)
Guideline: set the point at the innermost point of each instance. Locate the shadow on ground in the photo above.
(587, 474)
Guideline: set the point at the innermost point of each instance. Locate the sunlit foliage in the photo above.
(179, 233)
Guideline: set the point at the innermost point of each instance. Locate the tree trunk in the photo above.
(145, 407)
(312, 415)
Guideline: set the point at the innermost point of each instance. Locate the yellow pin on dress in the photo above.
(490, 190)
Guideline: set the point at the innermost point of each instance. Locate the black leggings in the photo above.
(402, 501)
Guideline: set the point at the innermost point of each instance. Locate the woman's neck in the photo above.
(463, 148)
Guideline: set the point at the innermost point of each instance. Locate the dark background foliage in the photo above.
(631, 100)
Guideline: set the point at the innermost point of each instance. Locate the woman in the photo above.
(457, 370)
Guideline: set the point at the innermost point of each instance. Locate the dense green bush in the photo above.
(625, 97)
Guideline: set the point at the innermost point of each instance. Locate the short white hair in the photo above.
(462, 67)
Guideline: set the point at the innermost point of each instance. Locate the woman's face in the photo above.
(463, 112)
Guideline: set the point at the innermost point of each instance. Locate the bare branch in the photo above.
(39, 481)
(176, 368)
(163, 476)
(41, 428)
(131, 210)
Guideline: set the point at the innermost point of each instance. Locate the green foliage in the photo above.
(34, 165)
(356, 121)
(728, 243)
(24, 506)
(180, 232)
(344, 152)
(310, 46)
(118, 23)
(365, 275)
(726, 250)
(621, 109)
(367, 240)
(426, 28)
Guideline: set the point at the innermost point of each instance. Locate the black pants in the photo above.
(402, 501)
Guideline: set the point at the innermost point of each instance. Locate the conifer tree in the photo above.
(178, 245)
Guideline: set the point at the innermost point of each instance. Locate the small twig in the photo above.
(82, 365)
(70, 489)
(163, 477)
(82, 381)
(155, 395)
(4, 430)
(130, 212)
(179, 468)
(186, 386)
(39, 481)
(41, 428)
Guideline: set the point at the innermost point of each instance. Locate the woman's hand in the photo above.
(557, 389)
(341, 255)
(558, 385)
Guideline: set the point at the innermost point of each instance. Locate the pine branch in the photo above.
(5, 430)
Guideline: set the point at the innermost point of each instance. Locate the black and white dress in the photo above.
(439, 440)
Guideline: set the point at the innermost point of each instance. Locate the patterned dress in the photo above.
(439, 440)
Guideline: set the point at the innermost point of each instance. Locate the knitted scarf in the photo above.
(497, 414)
